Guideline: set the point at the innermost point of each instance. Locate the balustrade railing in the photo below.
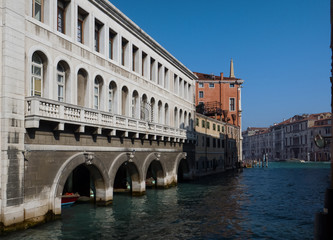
(40, 108)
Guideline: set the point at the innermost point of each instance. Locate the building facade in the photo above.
(290, 139)
(216, 148)
(219, 97)
(88, 96)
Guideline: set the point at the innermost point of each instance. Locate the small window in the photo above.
(211, 85)
(203, 123)
(97, 37)
(219, 128)
(135, 54)
(207, 125)
(61, 17)
(112, 39)
(214, 143)
(201, 94)
(232, 85)
(61, 82)
(214, 126)
(201, 84)
(143, 60)
(80, 24)
(124, 49)
(197, 122)
(232, 104)
(37, 9)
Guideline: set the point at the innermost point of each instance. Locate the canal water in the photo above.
(278, 202)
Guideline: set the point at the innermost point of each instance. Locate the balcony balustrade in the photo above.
(49, 110)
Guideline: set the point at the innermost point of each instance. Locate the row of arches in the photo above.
(114, 98)
(92, 180)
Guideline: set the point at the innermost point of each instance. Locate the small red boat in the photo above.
(69, 198)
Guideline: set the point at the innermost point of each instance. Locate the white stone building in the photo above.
(71, 67)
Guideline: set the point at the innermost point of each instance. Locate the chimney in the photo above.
(232, 74)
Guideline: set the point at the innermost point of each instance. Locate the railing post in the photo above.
(34, 107)
(61, 111)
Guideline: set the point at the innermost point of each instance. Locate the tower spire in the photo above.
(232, 74)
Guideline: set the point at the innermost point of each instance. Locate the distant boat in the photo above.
(69, 198)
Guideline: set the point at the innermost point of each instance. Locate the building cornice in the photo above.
(114, 13)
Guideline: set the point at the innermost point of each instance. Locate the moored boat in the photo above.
(69, 198)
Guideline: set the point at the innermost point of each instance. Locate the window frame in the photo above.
(201, 94)
(61, 9)
(34, 77)
(41, 19)
(61, 84)
(96, 93)
(232, 106)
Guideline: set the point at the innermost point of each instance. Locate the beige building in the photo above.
(216, 147)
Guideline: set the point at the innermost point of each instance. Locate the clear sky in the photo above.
(280, 48)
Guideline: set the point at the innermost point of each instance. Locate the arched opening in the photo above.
(166, 114)
(175, 118)
(181, 122)
(86, 181)
(38, 74)
(135, 105)
(190, 127)
(154, 176)
(112, 103)
(98, 86)
(82, 79)
(185, 120)
(126, 176)
(124, 101)
(183, 171)
(63, 82)
(160, 112)
(145, 108)
(152, 109)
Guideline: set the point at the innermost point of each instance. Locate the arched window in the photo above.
(36, 75)
(135, 105)
(166, 114)
(159, 112)
(97, 91)
(112, 93)
(124, 101)
(152, 110)
(181, 122)
(82, 79)
(61, 82)
(145, 108)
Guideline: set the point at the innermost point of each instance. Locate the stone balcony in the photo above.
(38, 109)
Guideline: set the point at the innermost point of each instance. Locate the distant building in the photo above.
(219, 97)
(290, 139)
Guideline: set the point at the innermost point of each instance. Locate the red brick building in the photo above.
(219, 97)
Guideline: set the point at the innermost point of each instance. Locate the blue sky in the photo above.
(280, 48)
